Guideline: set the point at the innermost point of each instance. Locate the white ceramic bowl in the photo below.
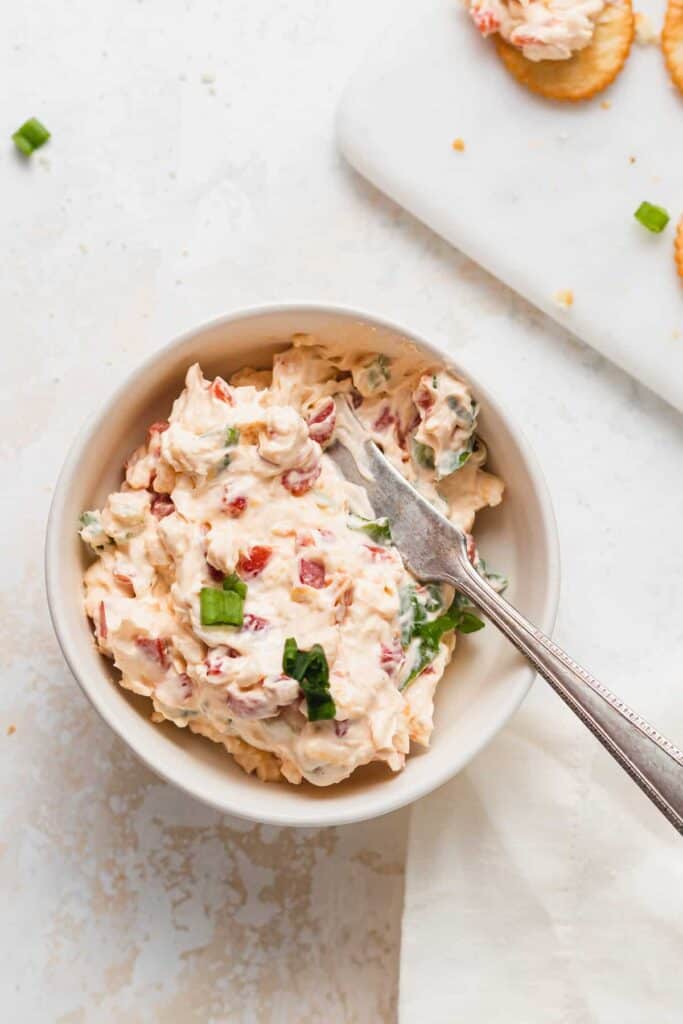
(486, 680)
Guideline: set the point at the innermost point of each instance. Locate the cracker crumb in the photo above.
(459, 145)
(645, 33)
(631, 159)
(564, 298)
(11, 729)
(606, 104)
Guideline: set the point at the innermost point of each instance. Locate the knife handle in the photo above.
(652, 761)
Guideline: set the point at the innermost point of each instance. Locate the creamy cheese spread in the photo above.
(541, 29)
(243, 585)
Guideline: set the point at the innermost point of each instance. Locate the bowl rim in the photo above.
(325, 815)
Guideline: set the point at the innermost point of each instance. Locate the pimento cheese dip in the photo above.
(244, 586)
(541, 29)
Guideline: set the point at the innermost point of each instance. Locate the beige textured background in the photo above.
(192, 170)
(130, 901)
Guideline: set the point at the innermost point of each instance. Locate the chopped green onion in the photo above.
(378, 530)
(464, 415)
(428, 632)
(497, 580)
(292, 663)
(32, 135)
(450, 462)
(434, 598)
(383, 363)
(410, 613)
(235, 584)
(654, 218)
(311, 671)
(376, 371)
(232, 436)
(423, 454)
(469, 623)
(453, 461)
(220, 607)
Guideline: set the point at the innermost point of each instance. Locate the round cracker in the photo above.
(678, 248)
(590, 70)
(672, 41)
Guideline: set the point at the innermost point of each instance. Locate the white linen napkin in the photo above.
(542, 886)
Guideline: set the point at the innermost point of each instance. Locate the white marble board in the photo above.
(543, 195)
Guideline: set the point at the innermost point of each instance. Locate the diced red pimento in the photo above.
(154, 432)
(162, 506)
(234, 505)
(341, 727)
(155, 648)
(220, 390)
(254, 561)
(124, 580)
(217, 658)
(102, 622)
(424, 399)
(214, 664)
(299, 481)
(311, 573)
(391, 656)
(253, 703)
(384, 420)
(254, 623)
(403, 434)
(158, 427)
(216, 574)
(321, 424)
(471, 548)
(378, 554)
(486, 21)
(186, 685)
